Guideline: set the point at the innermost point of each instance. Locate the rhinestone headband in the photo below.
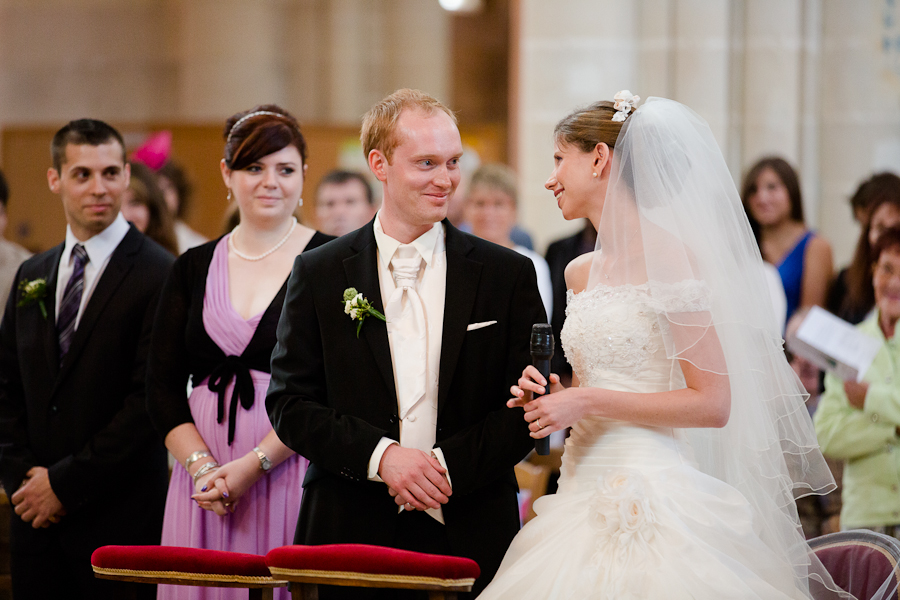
(245, 117)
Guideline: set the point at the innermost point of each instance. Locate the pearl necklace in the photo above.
(281, 243)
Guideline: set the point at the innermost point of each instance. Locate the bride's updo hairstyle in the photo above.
(252, 134)
(587, 127)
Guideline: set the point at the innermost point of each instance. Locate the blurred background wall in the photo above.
(817, 81)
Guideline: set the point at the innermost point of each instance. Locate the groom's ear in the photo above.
(377, 164)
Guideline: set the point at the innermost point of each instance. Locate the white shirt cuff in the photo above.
(439, 455)
(375, 461)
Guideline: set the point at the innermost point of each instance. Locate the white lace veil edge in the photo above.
(673, 226)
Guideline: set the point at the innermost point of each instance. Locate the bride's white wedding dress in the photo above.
(634, 517)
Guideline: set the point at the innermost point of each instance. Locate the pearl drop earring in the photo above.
(228, 197)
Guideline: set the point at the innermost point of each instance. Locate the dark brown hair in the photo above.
(587, 127)
(160, 227)
(873, 193)
(889, 240)
(249, 137)
(82, 132)
(789, 179)
(340, 177)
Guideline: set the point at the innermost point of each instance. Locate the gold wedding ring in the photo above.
(538, 421)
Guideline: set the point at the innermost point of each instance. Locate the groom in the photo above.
(405, 423)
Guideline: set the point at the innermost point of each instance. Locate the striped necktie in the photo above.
(71, 300)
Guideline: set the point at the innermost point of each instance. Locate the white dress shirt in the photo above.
(418, 428)
(99, 249)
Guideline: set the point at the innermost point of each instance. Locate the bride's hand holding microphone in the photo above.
(558, 409)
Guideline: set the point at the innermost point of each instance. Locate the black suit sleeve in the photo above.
(297, 400)
(16, 457)
(485, 451)
(168, 361)
(101, 465)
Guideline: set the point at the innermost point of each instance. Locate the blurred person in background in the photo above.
(172, 180)
(236, 487)
(491, 211)
(818, 514)
(344, 202)
(176, 189)
(851, 296)
(859, 423)
(143, 205)
(772, 200)
(11, 254)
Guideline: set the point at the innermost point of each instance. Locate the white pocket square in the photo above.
(475, 326)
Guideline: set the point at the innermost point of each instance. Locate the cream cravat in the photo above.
(406, 323)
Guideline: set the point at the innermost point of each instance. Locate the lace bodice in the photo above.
(614, 336)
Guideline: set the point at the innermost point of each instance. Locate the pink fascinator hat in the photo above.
(155, 151)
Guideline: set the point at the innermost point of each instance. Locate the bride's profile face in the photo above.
(572, 181)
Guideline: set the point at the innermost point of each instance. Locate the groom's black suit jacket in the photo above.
(86, 419)
(332, 396)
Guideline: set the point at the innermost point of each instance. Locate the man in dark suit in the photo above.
(80, 459)
(406, 426)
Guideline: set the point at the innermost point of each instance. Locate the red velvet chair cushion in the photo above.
(858, 567)
(182, 560)
(374, 560)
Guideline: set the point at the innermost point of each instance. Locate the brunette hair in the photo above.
(340, 177)
(379, 125)
(83, 132)
(498, 177)
(176, 174)
(253, 134)
(873, 193)
(587, 127)
(789, 179)
(146, 190)
(889, 240)
(4, 190)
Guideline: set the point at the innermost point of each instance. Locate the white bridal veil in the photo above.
(673, 222)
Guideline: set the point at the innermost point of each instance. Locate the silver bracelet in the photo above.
(207, 468)
(194, 458)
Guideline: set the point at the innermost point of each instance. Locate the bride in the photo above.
(689, 438)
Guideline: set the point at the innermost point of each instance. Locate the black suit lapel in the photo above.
(362, 273)
(463, 275)
(120, 263)
(51, 339)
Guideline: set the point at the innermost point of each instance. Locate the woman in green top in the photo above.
(860, 422)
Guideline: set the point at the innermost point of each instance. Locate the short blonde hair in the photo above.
(379, 125)
(498, 177)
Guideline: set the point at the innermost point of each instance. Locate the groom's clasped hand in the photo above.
(415, 480)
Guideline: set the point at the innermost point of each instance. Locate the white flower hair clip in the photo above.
(625, 102)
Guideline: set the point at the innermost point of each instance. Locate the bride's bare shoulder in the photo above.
(578, 271)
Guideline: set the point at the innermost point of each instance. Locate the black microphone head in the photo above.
(542, 341)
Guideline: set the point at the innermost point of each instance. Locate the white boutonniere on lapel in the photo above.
(359, 308)
(34, 291)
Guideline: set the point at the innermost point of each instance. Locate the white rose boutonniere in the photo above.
(359, 308)
(33, 291)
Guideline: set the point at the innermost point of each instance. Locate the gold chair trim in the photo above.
(380, 577)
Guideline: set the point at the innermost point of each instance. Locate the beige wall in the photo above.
(202, 60)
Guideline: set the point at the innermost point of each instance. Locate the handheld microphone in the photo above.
(542, 343)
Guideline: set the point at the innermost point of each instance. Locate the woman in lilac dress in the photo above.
(235, 485)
